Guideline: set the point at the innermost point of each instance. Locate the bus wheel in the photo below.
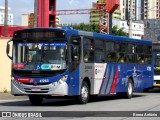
(35, 100)
(84, 93)
(130, 88)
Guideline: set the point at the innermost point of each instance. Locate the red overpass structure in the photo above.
(47, 13)
(45, 17)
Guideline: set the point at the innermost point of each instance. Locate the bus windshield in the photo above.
(39, 56)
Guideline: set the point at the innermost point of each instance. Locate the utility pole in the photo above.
(130, 18)
(35, 12)
(6, 19)
(110, 23)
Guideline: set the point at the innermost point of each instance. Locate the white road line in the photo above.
(1, 101)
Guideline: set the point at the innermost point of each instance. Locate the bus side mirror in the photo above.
(8, 49)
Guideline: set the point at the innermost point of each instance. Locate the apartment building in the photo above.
(137, 27)
(2, 15)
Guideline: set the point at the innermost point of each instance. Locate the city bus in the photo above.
(49, 62)
(156, 53)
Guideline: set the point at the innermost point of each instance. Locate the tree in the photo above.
(96, 28)
(85, 27)
(119, 32)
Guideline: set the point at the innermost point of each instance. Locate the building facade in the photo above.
(94, 16)
(28, 20)
(2, 16)
(57, 21)
(152, 30)
(124, 10)
(137, 27)
(150, 9)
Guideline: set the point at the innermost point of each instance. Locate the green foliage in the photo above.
(119, 32)
(95, 28)
(86, 27)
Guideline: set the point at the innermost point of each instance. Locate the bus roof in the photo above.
(111, 37)
(94, 34)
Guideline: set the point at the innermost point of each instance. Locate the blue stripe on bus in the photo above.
(104, 78)
(109, 73)
(110, 80)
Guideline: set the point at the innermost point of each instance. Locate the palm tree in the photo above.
(119, 32)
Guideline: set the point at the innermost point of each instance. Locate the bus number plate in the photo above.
(36, 89)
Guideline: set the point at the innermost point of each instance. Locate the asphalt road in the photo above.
(145, 102)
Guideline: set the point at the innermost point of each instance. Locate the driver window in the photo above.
(75, 48)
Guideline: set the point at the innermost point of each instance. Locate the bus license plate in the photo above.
(36, 89)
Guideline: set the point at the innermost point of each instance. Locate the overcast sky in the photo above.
(19, 7)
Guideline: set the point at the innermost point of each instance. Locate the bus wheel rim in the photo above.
(130, 89)
(84, 93)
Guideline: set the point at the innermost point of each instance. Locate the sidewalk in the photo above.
(8, 96)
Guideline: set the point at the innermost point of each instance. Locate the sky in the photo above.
(19, 7)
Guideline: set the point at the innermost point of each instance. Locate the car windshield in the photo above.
(39, 56)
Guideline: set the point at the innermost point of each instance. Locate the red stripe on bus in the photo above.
(114, 82)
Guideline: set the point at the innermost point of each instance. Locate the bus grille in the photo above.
(43, 90)
(37, 83)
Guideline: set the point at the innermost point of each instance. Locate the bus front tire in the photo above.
(84, 93)
(35, 100)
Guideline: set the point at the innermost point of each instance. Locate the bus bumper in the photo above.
(156, 81)
(50, 89)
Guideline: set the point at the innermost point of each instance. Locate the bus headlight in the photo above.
(63, 79)
(15, 81)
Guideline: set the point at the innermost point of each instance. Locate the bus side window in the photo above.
(99, 50)
(121, 49)
(140, 58)
(111, 57)
(88, 50)
(148, 59)
(131, 48)
(121, 58)
(110, 51)
(140, 48)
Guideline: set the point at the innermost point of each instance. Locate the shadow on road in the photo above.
(153, 90)
(64, 102)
